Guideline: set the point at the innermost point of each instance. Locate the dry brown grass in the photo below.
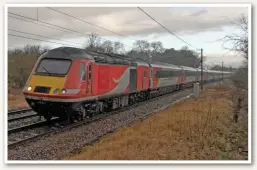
(191, 130)
(16, 99)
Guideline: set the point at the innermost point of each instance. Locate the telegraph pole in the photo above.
(201, 68)
(222, 70)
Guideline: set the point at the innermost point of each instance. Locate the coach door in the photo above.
(82, 72)
(89, 79)
(133, 80)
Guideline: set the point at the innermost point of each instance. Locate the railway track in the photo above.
(39, 129)
(24, 120)
(21, 134)
(15, 115)
(29, 126)
(18, 111)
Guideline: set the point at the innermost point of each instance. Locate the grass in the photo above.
(16, 99)
(195, 129)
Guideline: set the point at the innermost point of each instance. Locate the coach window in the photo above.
(82, 71)
(157, 74)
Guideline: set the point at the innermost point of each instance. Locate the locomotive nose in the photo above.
(45, 84)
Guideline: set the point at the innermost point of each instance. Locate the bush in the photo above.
(240, 78)
(21, 63)
(19, 68)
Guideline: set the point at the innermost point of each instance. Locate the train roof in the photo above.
(165, 65)
(216, 71)
(111, 58)
(189, 68)
(99, 57)
(67, 53)
(172, 66)
(213, 71)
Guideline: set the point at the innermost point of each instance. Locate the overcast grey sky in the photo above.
(198, 26)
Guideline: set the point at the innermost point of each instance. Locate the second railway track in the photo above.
(24, 121)
(18, 111)
(18, 119)
(15, 115)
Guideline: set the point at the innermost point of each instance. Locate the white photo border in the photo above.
(249, 161)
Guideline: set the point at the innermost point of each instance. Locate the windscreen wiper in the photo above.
(46, 70)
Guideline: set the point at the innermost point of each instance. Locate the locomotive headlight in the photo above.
(56, 91)
(29, 88)
(63, 91)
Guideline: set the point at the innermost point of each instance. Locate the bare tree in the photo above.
(156, 47)
(184, 48)
(93, 42)
(119, 47)
(239, 43)
(107, 46)
(28, 49)
(15, 51)
(193, 55)
(240, 40)
(143, 49)
(142, 46)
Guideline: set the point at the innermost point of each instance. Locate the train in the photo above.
(74, 84)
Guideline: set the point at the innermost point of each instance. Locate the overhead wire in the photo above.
(44, 36)
(41, 40)
(87, 22)
(53, 26)
(49, 24)
(196, 58)
(166, 28)
(38, 24)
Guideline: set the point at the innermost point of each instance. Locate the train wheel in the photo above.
(71, 119)
(81, 113)
(48, 117)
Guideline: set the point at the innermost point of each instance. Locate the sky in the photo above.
(200, 27)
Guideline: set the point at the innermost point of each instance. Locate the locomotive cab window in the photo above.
(53, 67)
